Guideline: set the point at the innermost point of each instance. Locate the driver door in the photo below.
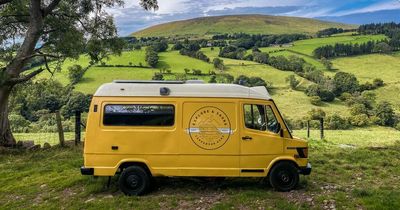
(260, 141)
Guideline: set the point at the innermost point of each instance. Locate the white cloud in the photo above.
(255, 3)
(390, 5)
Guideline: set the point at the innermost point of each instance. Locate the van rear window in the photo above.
(139, 115)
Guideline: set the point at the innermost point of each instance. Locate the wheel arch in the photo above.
(280, 160)
(126, 163)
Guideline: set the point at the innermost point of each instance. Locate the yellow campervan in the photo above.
(145, 129)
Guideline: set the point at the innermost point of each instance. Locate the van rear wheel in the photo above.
(134, 180)
(284, 177)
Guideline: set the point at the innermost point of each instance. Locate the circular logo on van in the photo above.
(209, 128)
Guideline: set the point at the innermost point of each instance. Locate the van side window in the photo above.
(260, 117)
(139, 115)
(272, 122)
(254, 117)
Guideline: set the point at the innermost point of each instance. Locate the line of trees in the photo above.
(340, 49)
(259, 40)
(329, 32)
(192, 49)
(379, 28)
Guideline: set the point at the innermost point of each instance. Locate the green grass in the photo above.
(354, 169)
(308, 59)
(41, 138)
(135, 57)
(253, 24)
(177, 63)
(307, 46)
(62, 74)
(97, 76)
(369, 67)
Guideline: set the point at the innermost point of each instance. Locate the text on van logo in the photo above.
(209, 128)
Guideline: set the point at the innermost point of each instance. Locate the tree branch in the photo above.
(4, 1)
(50, 7)
(25, 78)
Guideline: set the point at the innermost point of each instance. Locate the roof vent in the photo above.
(164, 91)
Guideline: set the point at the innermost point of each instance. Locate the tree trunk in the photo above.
(6, 137)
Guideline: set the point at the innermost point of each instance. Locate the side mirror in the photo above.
(281, 132)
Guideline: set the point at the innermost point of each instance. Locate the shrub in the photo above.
(186, 70)
(357, 109)
(196, 71)
(75, 73)
(345, 96)
(218, 63)
(316, 100)
(293, 82)
(251, 81)
(359, 120)
(213, 79)
(151, 57)
(385, 113)
(316, 114)
(398, 126)
(18, 123)
(226, 78)
(260, 57)
(327, 63)
(345, 82)
(322, 92)
(180, 77)
(378, 82)
(76, 102)
(335, 122)
(157, 76)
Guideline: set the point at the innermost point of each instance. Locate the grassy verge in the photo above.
(355, 169)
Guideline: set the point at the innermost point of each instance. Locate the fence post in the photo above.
(308, 129)
(60, 129)
(77, 128)
(322, 127)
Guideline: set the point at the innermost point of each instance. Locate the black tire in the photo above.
(284, 176)
(134, 180)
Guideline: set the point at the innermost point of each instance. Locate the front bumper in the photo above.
(87, 171)
(306, 170)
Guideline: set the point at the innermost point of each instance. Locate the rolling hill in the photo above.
(253, 24)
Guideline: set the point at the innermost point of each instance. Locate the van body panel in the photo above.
(205, 139)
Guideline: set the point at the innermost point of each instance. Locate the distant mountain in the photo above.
(253, 24)
(369, 17)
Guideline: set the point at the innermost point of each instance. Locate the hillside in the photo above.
(253, 24)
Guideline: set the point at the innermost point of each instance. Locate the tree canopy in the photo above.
(51, 30)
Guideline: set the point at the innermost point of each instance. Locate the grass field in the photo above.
(355, 169)
(253, 24)
(369, 67)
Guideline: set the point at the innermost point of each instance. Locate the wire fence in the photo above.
(59, 137)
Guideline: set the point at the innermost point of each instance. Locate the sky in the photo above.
(131, 17)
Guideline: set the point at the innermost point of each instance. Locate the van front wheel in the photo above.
(134, 180)
(284, 177)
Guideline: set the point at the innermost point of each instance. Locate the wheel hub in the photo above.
(133, 181)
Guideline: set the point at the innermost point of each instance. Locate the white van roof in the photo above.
(126, 88)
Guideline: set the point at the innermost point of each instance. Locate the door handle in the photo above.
(247, 138)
